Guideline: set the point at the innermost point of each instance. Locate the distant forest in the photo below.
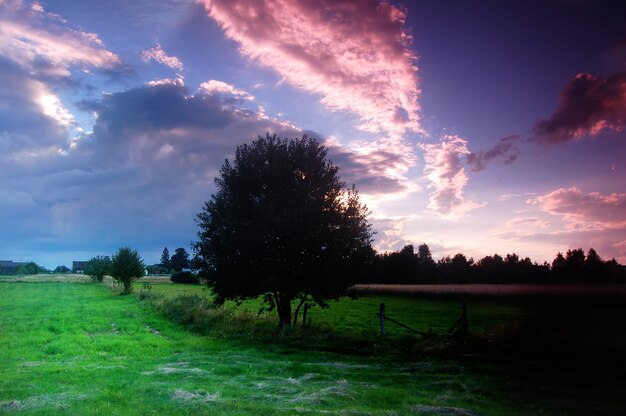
(408, 267)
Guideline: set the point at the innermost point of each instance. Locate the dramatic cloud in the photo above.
(589, 105)
(592, 211)
(141, 174)
(444, 169)
(355, 54)
(43, 44)
(505, 151)
(32, 117)
(157, 54)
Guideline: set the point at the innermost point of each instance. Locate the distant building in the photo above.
(78, 266)
(10, 266)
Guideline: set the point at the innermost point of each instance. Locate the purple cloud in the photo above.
(505, 151)
(589, 105)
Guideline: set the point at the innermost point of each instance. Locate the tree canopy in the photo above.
(282, 225)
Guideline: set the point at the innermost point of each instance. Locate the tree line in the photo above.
(408, 267)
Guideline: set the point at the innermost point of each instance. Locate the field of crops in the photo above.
(80, 348)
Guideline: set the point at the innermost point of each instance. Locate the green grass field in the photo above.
(80, 349)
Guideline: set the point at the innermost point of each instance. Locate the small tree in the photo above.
(98, 267)
(165, 258)
(282, 226)
(126, 267)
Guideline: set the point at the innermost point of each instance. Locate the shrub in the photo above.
(186, 278)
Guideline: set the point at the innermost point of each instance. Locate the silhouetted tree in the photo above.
(283, 226)
(98, 267)
(574, 264)
(165, 258)
(402, 266)
(461, 268)
(594, 267)
(427, 266)
(180, 259)
(490, 269)
(558, 267)
(126, 267)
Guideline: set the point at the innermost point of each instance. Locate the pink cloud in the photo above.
(157, 54)
(620, 248)
(589, 105)
(42, 43)
(530, 222)
(444, 169)
(592, 211)
(355, 55)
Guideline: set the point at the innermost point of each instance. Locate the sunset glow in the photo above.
(475, 128)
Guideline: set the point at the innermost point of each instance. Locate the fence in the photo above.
(459, 328)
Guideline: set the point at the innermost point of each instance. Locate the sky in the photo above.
(477, 127)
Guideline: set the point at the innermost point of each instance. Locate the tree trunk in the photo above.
(295, 316)
(283, 306)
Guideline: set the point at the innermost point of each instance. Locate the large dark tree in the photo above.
(283, 226)
(180, 259)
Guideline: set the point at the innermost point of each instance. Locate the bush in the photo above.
(186, 278)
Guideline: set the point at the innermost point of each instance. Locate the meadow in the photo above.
(75, 347)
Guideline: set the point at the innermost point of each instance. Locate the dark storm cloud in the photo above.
(158, 107)
(505, 151)
(589, 105)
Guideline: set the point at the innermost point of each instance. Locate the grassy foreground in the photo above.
(72, 348)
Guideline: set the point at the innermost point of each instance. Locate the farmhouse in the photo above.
(78, 266)
(10, 266)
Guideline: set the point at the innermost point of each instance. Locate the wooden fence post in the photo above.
(382, 319)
